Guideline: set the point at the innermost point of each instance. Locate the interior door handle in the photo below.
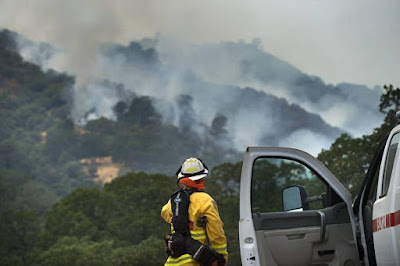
(323, 226)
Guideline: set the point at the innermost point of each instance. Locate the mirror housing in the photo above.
(294, 199)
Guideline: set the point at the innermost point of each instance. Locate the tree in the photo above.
(62, 142)
(83, 213)
(148, 252)
(218, 126)
(389, 105)
(73, 251)
(187, 114)
(349, 158)
(33, 196)
(223, 186)
(141, 112)
(120, 109)
(18, 235)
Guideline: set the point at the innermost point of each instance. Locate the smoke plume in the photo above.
(265, 101)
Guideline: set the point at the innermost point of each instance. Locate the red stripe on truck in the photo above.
(386, 221)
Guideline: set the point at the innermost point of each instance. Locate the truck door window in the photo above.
(272, 175)
(394, 143)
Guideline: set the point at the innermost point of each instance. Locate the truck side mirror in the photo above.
(294, 199)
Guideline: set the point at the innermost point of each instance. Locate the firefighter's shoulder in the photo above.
(204, 199)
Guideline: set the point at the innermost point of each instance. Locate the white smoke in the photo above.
(307, 140)
(164, 69)
(248, 65)
(74, 27)
(250, 127)
(97, 100)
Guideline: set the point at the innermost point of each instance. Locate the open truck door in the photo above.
(293, 211)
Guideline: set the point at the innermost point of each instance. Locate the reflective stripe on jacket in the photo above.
(185, 259)
(201, 205)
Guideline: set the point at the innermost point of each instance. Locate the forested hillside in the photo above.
(41, 152)
(194, 102)
(53, 212)
(119, 224)
(41, 146)
(38, 163)
(48, 148)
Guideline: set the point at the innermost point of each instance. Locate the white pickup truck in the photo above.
(293, 211)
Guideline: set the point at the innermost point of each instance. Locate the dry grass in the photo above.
(106, 170)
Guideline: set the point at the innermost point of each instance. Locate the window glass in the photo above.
(394, 143)
(272, 175)
(374, 186)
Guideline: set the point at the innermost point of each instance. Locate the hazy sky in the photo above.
(354, 41)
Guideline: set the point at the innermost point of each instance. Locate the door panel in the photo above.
(300, 235)
(302, 246)
(298, 241)
(320, 233)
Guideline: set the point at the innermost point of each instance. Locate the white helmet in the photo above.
(192, 168)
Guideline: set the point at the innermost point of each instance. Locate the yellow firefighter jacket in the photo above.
(201, 205)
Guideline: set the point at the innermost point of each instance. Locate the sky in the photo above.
(352, 41)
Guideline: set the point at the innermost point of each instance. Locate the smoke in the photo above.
(192, 84)
(40, 54)
(331, 39)
(189, 99)
(248, 65)
(307, 140)
(97, 100)
(249, 132)
(141, 67)
(73, 27)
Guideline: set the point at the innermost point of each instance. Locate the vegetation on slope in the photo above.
(120, 223)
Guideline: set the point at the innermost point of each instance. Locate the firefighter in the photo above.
(204, 242)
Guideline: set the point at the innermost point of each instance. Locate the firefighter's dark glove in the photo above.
(220, 260)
